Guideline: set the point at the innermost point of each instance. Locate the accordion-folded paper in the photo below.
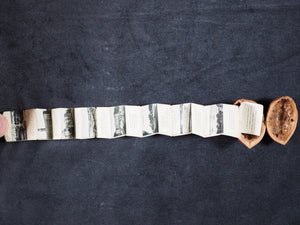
(134, 121)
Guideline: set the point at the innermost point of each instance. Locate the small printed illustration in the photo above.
(19, 125)
(119, 121)
(68, 131)
(219, 116)
(92, 123)
(150, 120)
(185, 112)
(45, 125)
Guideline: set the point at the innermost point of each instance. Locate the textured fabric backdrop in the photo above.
(65, 53)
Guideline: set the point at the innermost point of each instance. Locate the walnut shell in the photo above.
(282, 119)
(251, 140)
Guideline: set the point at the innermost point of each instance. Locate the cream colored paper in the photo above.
(251, 115)
(63, 123)
(85, 123)
(39, 124)
(135, 121)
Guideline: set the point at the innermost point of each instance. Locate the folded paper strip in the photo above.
(134, 121)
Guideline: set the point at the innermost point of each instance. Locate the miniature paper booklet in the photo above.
(134, 121)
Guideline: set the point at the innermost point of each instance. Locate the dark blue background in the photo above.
(67, 53)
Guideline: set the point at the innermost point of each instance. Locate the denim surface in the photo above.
(72, 53)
